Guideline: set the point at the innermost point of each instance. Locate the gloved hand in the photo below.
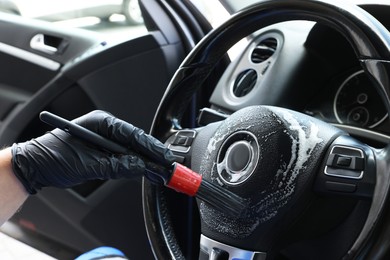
(59, 159)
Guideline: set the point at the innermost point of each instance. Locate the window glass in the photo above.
(213, 10)
(118, 19)
(216, 13)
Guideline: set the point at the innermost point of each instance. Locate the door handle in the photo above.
(38, 43)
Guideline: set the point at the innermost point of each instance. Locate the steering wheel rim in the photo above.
(366, 35)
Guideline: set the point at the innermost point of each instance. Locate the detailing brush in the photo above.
(178, 177)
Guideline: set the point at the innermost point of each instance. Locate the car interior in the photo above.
(285, 103)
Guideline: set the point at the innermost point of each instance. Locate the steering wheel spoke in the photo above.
(214, 250)
(349, 169)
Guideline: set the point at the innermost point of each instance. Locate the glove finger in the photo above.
(95, 121)
(123, 166)
(125, 133)
(137, 140)
(151, 148)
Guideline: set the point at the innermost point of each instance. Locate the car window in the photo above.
(213, 10)
(117, 19)
(216, 12)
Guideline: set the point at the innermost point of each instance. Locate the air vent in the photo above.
(265, 49)
(245, 82)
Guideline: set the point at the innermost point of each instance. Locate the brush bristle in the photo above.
(222, 199)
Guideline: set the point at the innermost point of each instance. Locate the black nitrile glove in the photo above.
(59, 159)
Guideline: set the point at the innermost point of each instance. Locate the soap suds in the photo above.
(302, 147)
(304, 139)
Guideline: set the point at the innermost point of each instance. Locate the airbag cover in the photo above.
(289, 146)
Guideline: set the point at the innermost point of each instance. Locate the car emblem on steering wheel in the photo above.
(238, 157)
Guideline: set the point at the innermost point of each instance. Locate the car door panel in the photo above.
(126, 79)
(25, 69)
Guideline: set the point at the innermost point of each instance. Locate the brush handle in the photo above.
(184, 180)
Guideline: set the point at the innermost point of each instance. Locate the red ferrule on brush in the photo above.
(185, 180)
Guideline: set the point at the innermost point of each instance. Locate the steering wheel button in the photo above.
(340, 187)
(344, 161)
(181, 140)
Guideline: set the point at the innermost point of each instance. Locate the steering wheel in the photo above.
(287, 159)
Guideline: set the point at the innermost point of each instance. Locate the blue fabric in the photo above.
(100, 253)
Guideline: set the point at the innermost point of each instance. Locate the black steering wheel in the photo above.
(288, 161)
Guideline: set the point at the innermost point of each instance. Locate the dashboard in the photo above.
(310, 68)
